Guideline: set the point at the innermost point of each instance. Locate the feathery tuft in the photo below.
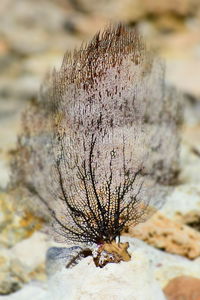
(99, 148)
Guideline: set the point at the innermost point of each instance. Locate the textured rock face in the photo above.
(165, 266)
(126, 280)
(12, 275)
(183, 287)
(131, 10)
(192, 219)
(15, 227)
(30, 291)
(59, 257)
(141, 278)
(168, 235)
(22, 263)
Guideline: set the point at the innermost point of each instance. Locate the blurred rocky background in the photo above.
(34, 35)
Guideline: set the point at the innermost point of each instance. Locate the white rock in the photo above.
(177, 74)
(185, 198)
(29, 292)
(190, 164)
(140, 279)
(31, 252)
(57, 257)
(4, 174)
(165, 266)
(132, 280)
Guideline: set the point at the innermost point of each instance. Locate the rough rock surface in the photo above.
(126, 280)
(12, 275)
(192, 219)
(185, 198)
(183, 287)
(15, 227)
(149, 268)
(168, 235)
(59, 257)
(131, 10)
(36, 291)
(165, 266)
(147, 265)
(22, 263)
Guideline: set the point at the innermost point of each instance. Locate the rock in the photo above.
(85, 24)
(15, 226)
(23, 263)
(191, 219)
(177, 74)
(57, 257)
(191, 137)
(26, 17)
(23, 88)
(180, 63)
(126, 280)
(133, 10)
(165, 234)
(9, 126)
(185, 198)
(148, 269)
(183, 287)
(36, 291)
(12, 275)
(182, 8)
(165, 266)
(190, 164)
(31, 252)
(191, 112)
(4, 174)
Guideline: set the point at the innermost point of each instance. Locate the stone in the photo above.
(12, 275)
(190, 162)
(185, 198)
(183, 287)
(57, 257)
(177, 71)
(191, 138)
(31, 251)
(189, 173)
(9, 126)
(191, 112)
(36, 291)
(22, 263)
(191, 219)
(4, 173)
(149, 271)
(165, 234)
(180, 63)
(133, 10)
(125, 280)
(15, 226)
(180, 8)
(165, 266)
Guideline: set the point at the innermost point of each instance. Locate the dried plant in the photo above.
(99, 148)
